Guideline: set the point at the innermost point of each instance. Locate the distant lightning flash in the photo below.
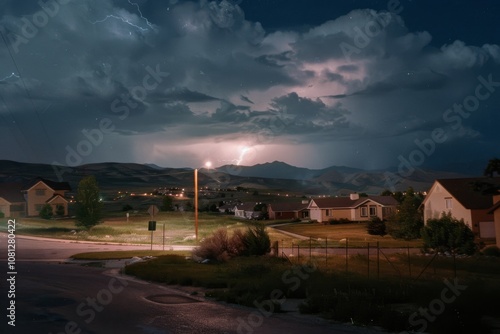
(13, 75)
(142, 17)
(124, 20)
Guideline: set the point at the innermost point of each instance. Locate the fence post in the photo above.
(409, 260)
(454, 264)
(378, 259)
(368, 249)
(310, 248)
(346, 254)
(326, 251)
(298, 253)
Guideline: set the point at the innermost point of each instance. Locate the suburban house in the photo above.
(40, 192)
(495, 211)
(353, 208)
(466, 200)
(12, 202)
(246, 210)
(288, 210)
(18, 199)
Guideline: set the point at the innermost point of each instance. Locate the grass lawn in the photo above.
(328, 291)
(355, 232)
(179, 228)
(120, 255)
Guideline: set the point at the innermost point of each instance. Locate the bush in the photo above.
(376, 226)
(491, 251)
(46, 212)
(214, 247)
(2, 215)
(335, 221)
(60, 210)
(257, 241)
(219, 247)
(447, 234)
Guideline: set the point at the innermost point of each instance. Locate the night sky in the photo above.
(315, 83)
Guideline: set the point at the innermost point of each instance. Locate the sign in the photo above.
(153, 210)
(152, 225)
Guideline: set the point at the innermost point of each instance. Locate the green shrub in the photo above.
(447, 234)
(257, 241)
(376, 226)
(46, 212)
(60, 210)
(491, 251)
(335, 221)
(219, 247)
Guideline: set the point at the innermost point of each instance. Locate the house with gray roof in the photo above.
(353, 208)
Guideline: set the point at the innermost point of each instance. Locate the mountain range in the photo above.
(279, 176)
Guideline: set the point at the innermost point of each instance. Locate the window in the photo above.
(448, 203)
(373, 210)
(327, 212)
(40, 192)
(38, 207)
(364, 211)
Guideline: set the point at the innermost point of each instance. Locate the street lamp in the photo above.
(208, 164)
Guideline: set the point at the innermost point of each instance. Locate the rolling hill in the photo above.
(276, 175)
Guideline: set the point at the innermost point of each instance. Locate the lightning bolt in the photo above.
(13, 75)
(126, 21)
(142, 17)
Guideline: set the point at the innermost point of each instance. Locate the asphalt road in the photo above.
(52, 296)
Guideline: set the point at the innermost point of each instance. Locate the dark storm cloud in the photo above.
(200, 72)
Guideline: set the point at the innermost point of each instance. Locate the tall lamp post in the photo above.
(196, 203)
(208, 164)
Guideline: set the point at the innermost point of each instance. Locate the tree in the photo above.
(407, 221)
(46, 212)
(492, 168)
(167, 203)
(386, 192)
(447, 234)
(89, 205)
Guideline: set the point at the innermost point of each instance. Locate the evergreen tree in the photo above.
(407, 221)
(89, 206)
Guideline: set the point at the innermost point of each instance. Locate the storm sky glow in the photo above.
(311, 83)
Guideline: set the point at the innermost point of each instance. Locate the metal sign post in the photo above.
(153, 210)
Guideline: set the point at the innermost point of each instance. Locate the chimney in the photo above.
(354, 196)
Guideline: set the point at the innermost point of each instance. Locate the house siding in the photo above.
(5, 207)
(38, 195)
(481, 218)
(435, 205)
(34, 198)
(59, 201)
(496, 215)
